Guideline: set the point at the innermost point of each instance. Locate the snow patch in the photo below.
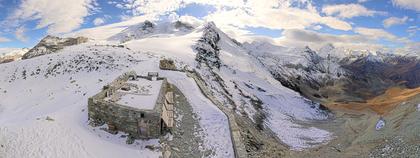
(380, 124)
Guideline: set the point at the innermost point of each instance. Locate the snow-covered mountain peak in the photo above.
(11, 54)
(51, 44)
(12, 51)
(149, 29)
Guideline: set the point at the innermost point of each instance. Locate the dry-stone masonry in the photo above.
(123, 105)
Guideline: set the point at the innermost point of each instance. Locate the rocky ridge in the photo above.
(51, 44)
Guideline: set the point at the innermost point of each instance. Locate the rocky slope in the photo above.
(51, 44)
(300, 69)
(373, 97)
(378, 73)
(326, 76)
(237, 80)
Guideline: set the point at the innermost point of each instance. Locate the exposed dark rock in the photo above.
(52, 44)
(167, 64)
(7, 60)
(181, 25)
(207, 48)
(349, 79)
(147, 25)
(374, 77)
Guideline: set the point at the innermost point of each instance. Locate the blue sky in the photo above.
(389, 23)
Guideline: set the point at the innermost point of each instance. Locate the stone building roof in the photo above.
(139, 93)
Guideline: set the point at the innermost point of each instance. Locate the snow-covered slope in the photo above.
(57, 86)
(249, 85)
(12, 51)
(147, 29)
(294, 67)
(43, 110)
(53, 91)
(243, 80)
(11, 54)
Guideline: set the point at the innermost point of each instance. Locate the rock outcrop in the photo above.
(207, 48)
(167, 64)
(51, 44)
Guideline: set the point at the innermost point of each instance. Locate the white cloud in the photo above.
(375, 33)
(274, 15)
(317, 27)
(98, 21)
(56, 15)
(4, 39)
(191, 20)
(150, 7)
(20, 34)
(407, 4)
(412, 31)
(394, 21)
(362, 1)
(366, 39)
(238, 13)
(349, 10)
(312, 36)
(300, 38)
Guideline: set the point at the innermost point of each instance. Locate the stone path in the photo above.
(238, 145)
(185, 141)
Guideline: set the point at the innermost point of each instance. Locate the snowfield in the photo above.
(43, 105)
(12, 51)
(62, 96)
(57, 86)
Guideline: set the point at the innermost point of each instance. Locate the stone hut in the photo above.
(139, 105)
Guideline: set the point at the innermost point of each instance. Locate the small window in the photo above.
(141, 115)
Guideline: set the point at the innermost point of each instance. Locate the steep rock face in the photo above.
(302, 70)
(52, 44)
(207, 48)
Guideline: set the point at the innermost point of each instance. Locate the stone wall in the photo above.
(123, 118)
(139, 123)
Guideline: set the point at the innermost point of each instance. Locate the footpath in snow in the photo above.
(216, 132)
